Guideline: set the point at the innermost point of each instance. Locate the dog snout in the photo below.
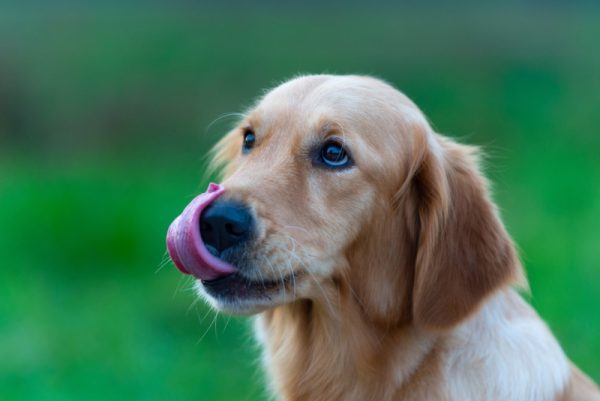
(224, 225)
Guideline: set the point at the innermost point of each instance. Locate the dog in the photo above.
(370, 251)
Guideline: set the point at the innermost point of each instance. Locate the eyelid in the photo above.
(314, 153)
(339, 140)
(248, 146)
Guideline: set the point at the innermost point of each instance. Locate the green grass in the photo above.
(89, 308)
(103, 112)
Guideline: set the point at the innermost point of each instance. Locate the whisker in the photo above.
(291, 269)
(180, 284)
(262, 279)
(297, 228)
(224, 116)
(293, 253)
(194, 303)
(166, 259)
(227, 323)
(282, 282)
(209, 326)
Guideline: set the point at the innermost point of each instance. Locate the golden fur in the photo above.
(399, 272)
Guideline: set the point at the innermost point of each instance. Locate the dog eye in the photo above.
(249, 139)
(333, 155)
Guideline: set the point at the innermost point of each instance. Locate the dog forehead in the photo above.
(378, 122)
(344, 99)
(302, 107)
(337, 93)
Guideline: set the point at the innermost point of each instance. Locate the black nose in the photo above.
(224, 224)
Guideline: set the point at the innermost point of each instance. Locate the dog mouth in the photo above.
(236, 286)
(228, 275)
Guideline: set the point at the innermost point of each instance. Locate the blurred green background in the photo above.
(104, 123)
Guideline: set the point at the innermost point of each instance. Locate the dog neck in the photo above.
(331, 352)
(322, 352)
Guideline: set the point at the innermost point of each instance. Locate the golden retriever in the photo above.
(370, 249)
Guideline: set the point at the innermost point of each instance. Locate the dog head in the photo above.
(337, 184)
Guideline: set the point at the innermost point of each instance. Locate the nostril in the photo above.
(225, 224)
(234, 229)
(205, 227)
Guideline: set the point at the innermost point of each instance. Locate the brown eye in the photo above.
(333, 155)
(249, 140)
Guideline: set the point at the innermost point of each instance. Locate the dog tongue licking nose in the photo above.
(185, 245)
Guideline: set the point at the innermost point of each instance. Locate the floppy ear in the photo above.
(464, 253)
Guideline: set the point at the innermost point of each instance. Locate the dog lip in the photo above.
(238, 286)
(185, 245)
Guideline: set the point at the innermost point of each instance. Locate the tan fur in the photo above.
(454, 276)
(580, 387)
(402, 270)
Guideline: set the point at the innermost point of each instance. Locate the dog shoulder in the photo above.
(505, 352)
(579, 388)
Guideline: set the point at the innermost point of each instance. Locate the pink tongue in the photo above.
(185, 243)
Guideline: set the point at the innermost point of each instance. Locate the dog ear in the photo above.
(464, 252)
(223, 154)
